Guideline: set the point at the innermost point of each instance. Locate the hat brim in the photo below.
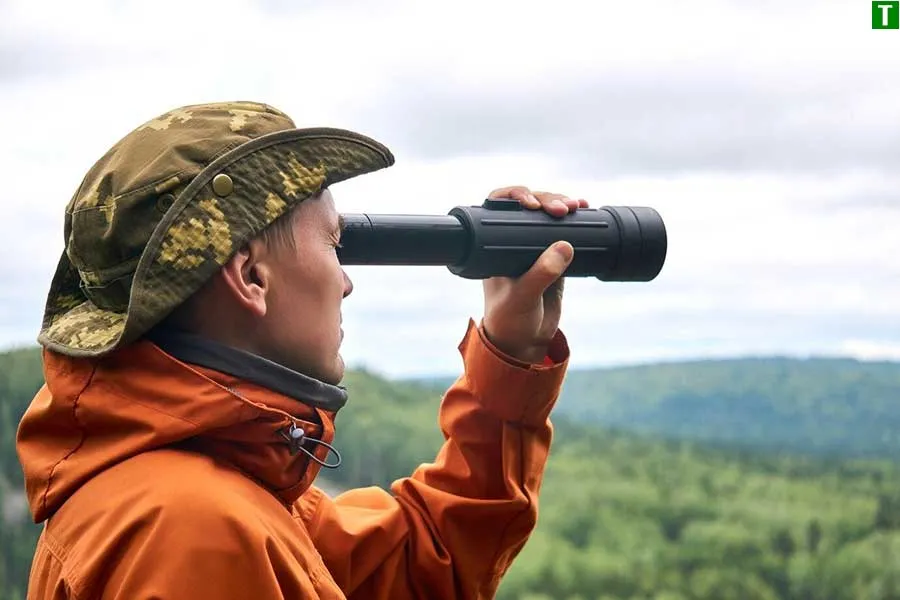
(201, 231)
(72, 322)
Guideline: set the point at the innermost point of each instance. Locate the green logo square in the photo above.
(886, 14)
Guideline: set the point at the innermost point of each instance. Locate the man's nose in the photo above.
(348, 284)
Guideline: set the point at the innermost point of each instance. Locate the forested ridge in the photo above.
(834, 407)
(624, 515)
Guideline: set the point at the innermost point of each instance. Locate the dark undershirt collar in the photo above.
(197, 350)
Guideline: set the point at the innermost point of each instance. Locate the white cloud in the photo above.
(871, 349)
(797, 255)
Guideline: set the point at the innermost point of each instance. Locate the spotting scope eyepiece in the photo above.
(503, 238)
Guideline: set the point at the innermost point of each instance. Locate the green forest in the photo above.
(832, 407)
(631, 514)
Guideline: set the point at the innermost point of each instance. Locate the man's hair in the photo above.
(280, 233)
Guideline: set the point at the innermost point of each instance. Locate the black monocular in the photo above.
(503, 238)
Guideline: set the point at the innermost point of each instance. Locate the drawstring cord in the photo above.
(296, 437)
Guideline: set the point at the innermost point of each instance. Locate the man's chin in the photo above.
(322, 371)
(335, 374)
(340, 369)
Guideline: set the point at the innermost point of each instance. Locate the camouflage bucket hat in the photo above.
(171, 202)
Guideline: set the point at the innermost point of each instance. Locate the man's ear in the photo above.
(248, 277)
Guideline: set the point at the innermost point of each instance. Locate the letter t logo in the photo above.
(886, 14)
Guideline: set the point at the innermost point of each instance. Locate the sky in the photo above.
(766, 134)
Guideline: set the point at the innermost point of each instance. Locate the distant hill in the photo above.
(840, 407)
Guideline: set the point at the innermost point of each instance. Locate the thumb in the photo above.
(549, 267)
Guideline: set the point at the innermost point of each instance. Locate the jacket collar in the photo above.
(272, 424)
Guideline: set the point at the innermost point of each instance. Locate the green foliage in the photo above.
(832, 407)
(21, 375)
(747, 528)
(836, 407)
(17, 541)
(386, 429)
(625, 515)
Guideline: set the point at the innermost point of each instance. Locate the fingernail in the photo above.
(564, 250)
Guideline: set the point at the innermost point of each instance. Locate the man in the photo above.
(191, 355)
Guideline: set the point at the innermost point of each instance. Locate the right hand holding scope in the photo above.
(503, 238)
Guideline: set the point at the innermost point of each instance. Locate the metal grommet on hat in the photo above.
(222, 185)
(165, 202)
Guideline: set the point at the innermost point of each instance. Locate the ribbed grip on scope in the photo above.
(611, 243)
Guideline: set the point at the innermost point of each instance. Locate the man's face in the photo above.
(301, 328)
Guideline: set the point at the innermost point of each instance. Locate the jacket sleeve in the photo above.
(452, 528)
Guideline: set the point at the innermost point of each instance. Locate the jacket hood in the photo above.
(174, 390)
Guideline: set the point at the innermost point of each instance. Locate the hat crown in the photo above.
(126, 193)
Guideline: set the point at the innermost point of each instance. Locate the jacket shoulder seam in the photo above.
(81, 432)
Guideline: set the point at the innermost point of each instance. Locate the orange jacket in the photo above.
(164, 478)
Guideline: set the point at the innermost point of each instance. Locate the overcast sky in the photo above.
(766, 133)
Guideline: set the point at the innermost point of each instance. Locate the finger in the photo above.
(571, 204)
(554, 293)
(517, 192)
(553, 298)
(582, 203)
(555, 204)
(546, 270)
